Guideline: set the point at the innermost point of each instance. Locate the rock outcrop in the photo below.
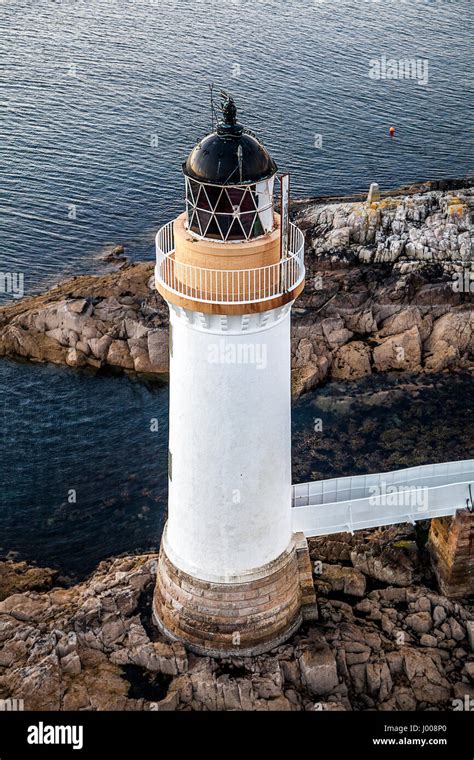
(93, 646)
(116, 320)
(379, 296)
(389, 286)
(16, 576)
(402, 228)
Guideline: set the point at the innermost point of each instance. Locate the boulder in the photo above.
(388, 565)
(75, 358)
(454, 329)
(428, 641)
(69, 319)
(319, 670)
(15, 341)
(399, 352)
(339, 238)
(470, 633)
(401, 322)
(345, 579)
(335, 332)
(119, 355)
(379, 681)
(135, 329)
(361, 322)
(83, 347)
(306, 377)
(158, 350)
(71, 664)
(425, 676)
(100, 346)
(19, 576)
(421, 622)
(439, 615)
(469, 669)
(404, 698)
(67, 338)
(423, 604)
(351, 361)
(443, 356)
(79, 306)
(457, 631)
(450, 338)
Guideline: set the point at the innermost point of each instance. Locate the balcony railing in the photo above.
(222, 286)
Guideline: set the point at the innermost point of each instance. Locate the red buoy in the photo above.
(391, 131)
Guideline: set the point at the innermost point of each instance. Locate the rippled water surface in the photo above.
(100, 103)
(84, 465)
(84, 458)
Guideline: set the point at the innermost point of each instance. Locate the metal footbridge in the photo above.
(369, 501)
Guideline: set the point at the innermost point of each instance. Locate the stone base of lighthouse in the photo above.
(240, 616)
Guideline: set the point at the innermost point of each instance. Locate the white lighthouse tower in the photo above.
(232, 578)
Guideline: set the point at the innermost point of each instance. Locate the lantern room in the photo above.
(229, 179)
(230, 251)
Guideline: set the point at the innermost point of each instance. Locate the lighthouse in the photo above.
(233, 579)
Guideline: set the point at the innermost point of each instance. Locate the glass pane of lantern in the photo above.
(236, 195)
(213, 194)
(224, 221)
(213, 231)
(248, 222)
(257, 227)
(249, 201)
(205, 200)
(236, 232)
(191, 220)
(193, 190)
(225, 205)
(204, 218)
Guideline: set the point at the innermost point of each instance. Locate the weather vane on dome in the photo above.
(228, 124)
(228, 108)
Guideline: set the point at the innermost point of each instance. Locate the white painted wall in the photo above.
(230, 442)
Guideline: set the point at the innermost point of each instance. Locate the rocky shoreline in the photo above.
(379, 296)
(384, 640)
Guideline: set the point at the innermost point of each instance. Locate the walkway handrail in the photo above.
(371, 501)
(374, 512)
(359, 486)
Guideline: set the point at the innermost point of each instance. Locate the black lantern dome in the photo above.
(230, 155)
(229, 182)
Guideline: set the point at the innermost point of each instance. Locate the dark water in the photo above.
(95, 436)
(382, 423)
(99, 103)
(84, 465)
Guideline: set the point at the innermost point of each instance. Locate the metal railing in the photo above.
(206, 201)
(370, 501)
(228, 285)
(353, 487)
